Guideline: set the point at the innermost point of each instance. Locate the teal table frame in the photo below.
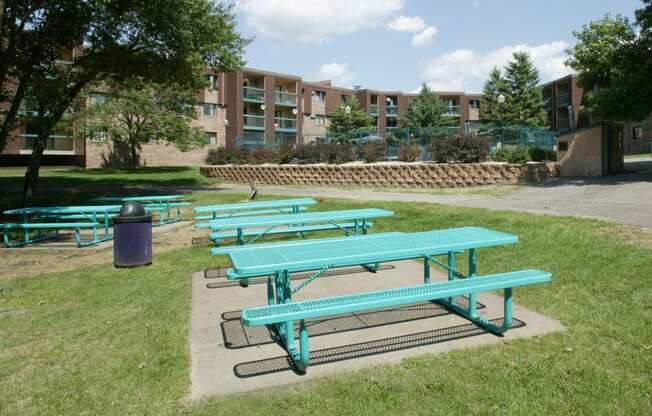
(100, 214)
(158, 203)
(267, 224)
(448, 243)
(281, 206)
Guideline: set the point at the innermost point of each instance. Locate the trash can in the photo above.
(132, 236)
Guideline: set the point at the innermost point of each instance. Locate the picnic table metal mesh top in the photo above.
(278, 203)
(349, 251)
(287, 219)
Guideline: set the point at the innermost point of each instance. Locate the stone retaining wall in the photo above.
(386, 175)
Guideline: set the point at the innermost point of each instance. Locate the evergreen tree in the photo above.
(524, 101)
(427, 110)
(494, 86)
(345, 125)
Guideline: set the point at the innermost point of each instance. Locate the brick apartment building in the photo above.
(251, 107)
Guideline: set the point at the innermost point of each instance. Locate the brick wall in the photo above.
(386, 175)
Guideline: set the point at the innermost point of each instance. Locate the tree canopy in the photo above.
(53, 49)
(613, 58)
(138, 113)
(426, 111)
(493, 87)
(349, 120)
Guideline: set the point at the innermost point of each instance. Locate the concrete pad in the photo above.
(227, 358)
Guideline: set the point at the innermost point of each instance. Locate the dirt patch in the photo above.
(27, 261)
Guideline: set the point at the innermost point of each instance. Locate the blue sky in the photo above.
(398, 44)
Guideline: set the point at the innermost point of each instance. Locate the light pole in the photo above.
(501, 100)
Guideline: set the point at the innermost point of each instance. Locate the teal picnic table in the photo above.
(351, 222)
(278, 261)
(161, 204)
(37, 219)
(252, 208)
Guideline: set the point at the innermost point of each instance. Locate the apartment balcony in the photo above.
(285, 98)
(28, 107)
(251, 140)
(563, 99)
(285, 138)
(373, 109)
(253, 122)
(452, 111)
(288, 125)
(391, 110)
(55, 144)
(253, 95)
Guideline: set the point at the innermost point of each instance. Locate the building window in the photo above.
(211, 138)
(320, 120)
(344, 98)
(637, 133)
(474, 103)
(320, 95)
(100, 136)
(212, 81)
(210, 110)
(97, 98)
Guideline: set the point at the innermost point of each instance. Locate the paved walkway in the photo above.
(625, 198)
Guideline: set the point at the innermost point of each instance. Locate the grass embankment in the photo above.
(102, 341)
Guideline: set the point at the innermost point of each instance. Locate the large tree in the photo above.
(138, 113)
(157, 40)
(426, 111)
(613, 58)
(349, 120)
(493, 87)
(524, 100)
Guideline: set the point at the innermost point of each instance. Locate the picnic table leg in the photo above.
(95, 227)
(473, 271)
(364, 226)
(270, 291)
(238, 239)
(451, 270)
(426, 270)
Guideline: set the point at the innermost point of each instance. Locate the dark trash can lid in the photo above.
(132, 212)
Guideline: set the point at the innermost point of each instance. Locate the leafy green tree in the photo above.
(140, 112)
(493, 87)
(613, 58)
(426, 111)
(524, 100)
(157, 40)
(348, 120)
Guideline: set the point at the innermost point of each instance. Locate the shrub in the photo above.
(460, 149)
(409, 153)
(264, 155)
(512, 154)
(307, 153)
(541, 154)
(223, 156)
(285, 153)
(374, 151)
(325, 153)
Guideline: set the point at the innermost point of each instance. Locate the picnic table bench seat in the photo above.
(286, 313)
(250, 213)
(56, 226)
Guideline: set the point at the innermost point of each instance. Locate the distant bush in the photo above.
(223, 156)
(540, 154)
(410, 153)
(373, 151)
(264, 155)
(512, 154)
(325, 153)
(459, 149)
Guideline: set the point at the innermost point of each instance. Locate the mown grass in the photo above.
(102, 341)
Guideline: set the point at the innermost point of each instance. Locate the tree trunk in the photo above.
(135, 157)
(32, 173)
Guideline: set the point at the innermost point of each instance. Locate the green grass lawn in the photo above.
(639, 156)
(100, 341)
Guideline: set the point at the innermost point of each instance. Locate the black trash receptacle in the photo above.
(132, 236)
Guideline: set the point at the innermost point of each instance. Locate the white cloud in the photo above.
(339, 73)
(466, 69)
(407, 24)
(314, 21)
(424, 37)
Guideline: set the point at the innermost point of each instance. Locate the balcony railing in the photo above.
(289, 124)
(254, 122)
(563, 99)
(254, 94)
(452, 111)
(373, 109)
(391, 110)
(29, 106)
(286, 138)
(285, 98)
(59, 143)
